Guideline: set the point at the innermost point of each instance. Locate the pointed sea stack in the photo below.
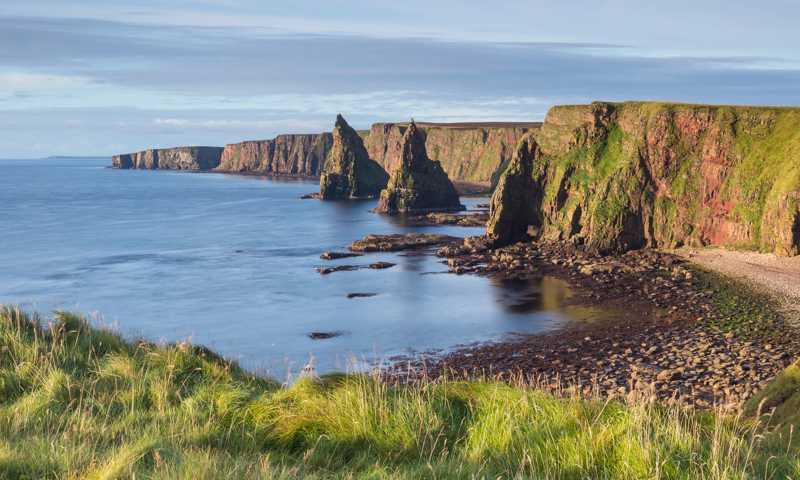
(418, 184)
(516, 202)
(349, 172)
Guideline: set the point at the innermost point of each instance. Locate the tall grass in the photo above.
(80, 402)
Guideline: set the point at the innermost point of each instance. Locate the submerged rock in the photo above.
(381, 265)
(397, 242)
(340, 268)
(361, 295)
(349, 172)
(337, 255)
(323, 335)
(515, 203)
(418, 184)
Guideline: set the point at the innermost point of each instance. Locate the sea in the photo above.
(230, 262)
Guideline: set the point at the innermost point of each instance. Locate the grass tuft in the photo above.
(81, 402)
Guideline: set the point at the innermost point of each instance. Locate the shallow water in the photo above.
(228, 262)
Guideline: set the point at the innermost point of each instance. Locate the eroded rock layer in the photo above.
(178, 158)
(618, 176)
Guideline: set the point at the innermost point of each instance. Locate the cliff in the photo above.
(468, 152)
(301, 155)
(349, 172)
(617, 176)
(178, 158)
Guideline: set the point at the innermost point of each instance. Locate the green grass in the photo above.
(81, 402)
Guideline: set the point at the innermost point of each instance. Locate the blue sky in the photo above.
(111, 76)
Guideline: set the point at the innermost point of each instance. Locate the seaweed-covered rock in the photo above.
(349, 172)
(516, 203)
(418, 184)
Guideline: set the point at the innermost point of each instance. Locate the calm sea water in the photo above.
(228, 262)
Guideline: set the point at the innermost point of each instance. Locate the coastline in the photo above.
(466, 189)
(657, 323)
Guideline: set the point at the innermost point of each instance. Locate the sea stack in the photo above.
(349, 173)
(418, 184)
(514, 212)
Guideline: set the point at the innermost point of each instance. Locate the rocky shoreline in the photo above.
(670, 330)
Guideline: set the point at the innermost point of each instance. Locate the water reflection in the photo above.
(531, 295)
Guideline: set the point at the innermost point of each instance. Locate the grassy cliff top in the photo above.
(79, 402)
(468, 125)
(656, 106)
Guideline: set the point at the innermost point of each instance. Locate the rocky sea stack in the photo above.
(349, 172)
(620, 176)
(418, 184)
(515, 205)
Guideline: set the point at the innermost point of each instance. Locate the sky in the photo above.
(110, 76)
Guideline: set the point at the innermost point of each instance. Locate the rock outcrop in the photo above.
(299, 155)
(178, 158)
(620, 176)
(468, 152)
(417, 184)
(516, 203)
(349, 172)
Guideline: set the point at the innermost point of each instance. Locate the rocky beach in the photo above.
(655, 324)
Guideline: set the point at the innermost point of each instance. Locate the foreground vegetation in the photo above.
(80, 402)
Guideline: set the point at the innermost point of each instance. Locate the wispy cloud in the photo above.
(37, 82)
(99, 85)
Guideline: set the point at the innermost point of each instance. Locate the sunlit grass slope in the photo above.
(79, 402)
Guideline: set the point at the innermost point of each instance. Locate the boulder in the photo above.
(418, 184)
(349, 173)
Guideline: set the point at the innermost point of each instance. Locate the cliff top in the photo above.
(168, 149)
(467, 125)
(658, 105)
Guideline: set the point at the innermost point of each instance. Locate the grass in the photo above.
(80, 402)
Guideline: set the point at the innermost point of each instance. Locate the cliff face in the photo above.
(295, 155)
(417, 183)
(349, 172)
(468, 152)
(628, 175)
(476, 153)
(179, 158)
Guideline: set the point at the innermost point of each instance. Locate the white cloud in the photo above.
(31, 82)
(234, 124)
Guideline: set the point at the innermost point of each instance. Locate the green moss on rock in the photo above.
(617, 176)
